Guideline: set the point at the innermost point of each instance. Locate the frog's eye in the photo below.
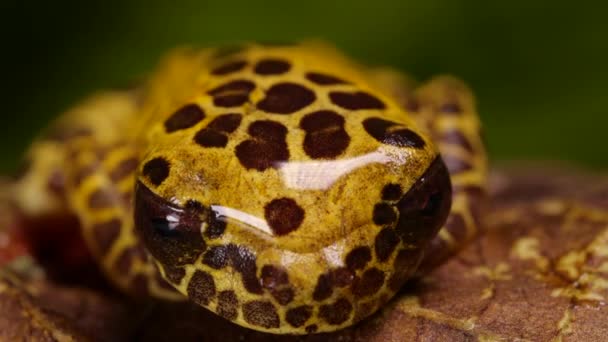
(171, 234)
(424, 208)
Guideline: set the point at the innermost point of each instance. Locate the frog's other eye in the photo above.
(171, 234)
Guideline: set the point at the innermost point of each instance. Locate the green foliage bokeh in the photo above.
(538, 68)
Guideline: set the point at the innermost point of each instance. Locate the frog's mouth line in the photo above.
(176, 235)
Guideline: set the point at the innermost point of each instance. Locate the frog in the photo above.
(286, 188)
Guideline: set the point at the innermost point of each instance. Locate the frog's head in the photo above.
(303, 188)
(291, 231)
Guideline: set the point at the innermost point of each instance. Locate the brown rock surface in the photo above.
(539, 273)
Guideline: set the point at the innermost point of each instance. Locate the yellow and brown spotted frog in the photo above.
(284, 188)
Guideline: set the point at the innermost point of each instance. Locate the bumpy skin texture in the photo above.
(284, 188)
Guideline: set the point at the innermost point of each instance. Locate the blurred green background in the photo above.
(539, 68)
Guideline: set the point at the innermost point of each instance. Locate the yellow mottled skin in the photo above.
(337, 194)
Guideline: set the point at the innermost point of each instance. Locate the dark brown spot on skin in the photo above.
(358, 258)
(268, 130)
(216, 257)
(286, 98)
(215, 134)
(101, 198)
(456, 165)
(201, 288)
(236, 86)
(124, 169)
(424, 208)
(325, 134)
(391, 192)
(173, 243)
(336, 313)
(229, 68)
(283, 215)
(298, 316)
(355, 101)
(233, 100)
(241, 259)
(284, 296)
(215, 226)
(175, 275)
(261, 155)
(250, 282)
(323, 79)
(321, 120)
(266, 149)
(456, 137)
(226, 123)
(384, 214)
(369, 283)
(232, 94)
(210, 138)
(342, 276)
(386, 241)
(227, 305)
(271, 67)
(106, 233)
(273, 277)
(312, 328)
(185, 117)
(339, 277)
(324, 287)
(261, 313)
(390, 133)
(450, 108)
(156, 170)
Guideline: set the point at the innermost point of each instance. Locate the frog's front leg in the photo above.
(100, 193)
(84, 168)
(447, 107)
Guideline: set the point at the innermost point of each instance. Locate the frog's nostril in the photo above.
(171, 234)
